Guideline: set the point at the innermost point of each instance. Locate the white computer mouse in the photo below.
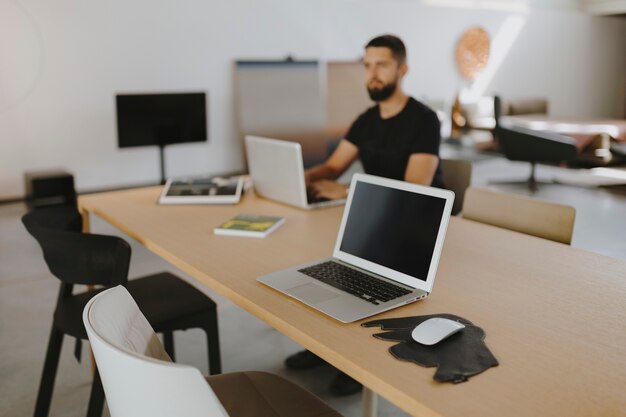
(434, 330)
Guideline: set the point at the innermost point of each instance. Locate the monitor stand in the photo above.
(162, 160)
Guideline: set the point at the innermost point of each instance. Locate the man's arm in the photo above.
(421, 168)
(339, 161)
(321, 178)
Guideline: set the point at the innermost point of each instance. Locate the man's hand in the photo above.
(328, 189)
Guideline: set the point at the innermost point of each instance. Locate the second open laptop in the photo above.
(385, 256)
(277, 172)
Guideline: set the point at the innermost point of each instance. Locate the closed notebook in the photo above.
(249, 225)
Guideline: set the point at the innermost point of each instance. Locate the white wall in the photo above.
(62, 61)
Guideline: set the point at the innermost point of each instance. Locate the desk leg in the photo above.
(86, 229)
(86, 224)
(370, 403)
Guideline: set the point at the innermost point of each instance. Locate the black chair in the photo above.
(534, 146)
(73, 257)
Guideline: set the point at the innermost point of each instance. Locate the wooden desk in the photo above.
(555, 316)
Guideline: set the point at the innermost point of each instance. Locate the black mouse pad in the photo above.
(457, 358)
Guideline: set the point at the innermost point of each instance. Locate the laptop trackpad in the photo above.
(313, 293)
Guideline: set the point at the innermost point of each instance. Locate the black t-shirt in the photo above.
(385, 145)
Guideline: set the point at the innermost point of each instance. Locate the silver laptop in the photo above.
(277, 172)
(386, 254)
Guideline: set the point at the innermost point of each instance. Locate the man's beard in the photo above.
(381, 94)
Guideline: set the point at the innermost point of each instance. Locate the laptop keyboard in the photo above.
(355, 282)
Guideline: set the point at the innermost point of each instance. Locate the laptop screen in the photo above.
(393, 228)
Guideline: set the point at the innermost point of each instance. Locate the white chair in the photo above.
(522, 214)
(139, 378)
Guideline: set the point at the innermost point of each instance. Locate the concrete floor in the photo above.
(28, 293)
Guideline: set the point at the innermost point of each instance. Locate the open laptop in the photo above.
(385, 256)
(277, 172)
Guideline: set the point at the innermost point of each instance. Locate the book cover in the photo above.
(202, 190)
(249, 225)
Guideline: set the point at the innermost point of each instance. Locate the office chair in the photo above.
(89, 259)
(534, 146)
(456, 176)
(140, 379)
(521, 214)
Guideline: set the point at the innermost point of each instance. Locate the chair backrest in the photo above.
(521, 144)
(522, 214)
(457, 175)
(520, 106)
(138, 376)
(74, 257)
(53, 218)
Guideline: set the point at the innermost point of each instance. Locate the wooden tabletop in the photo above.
(555, 316)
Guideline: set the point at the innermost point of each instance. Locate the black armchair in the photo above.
(534, 146)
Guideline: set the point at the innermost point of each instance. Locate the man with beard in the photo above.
(397, 138)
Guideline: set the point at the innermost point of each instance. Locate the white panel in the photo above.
(279, 97)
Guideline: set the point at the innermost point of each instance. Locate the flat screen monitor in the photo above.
(160, 119)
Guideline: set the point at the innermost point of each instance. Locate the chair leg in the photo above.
(96, 399)
(46, 386)
(213, 345)
(168, 343)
